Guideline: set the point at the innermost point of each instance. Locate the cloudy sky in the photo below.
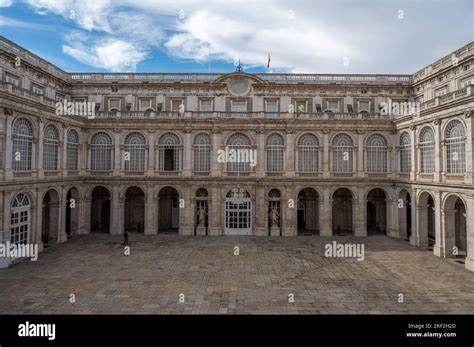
(321, 36)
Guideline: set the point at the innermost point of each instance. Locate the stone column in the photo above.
(325, 163)
(39, 219)
(215, 212)
(9, 150)
(62, 212)
(414, 219)
(325, 213)
(470, 232)
(391, 211)
(117, 164)
(420, 233)
(289, 217)
(117, 212)
(261, 211)
(40, 150)
(448, 240)
(290, 151)
(216, 167)
(261, 158)
(414, 154)
(358, 214)
(151, 153)
(187, 149)
(151, 225)
(63, 152)
(469, 178)
(185, 215)
(84, 153)
(360, 153)
(85, 216)
(438, 248)
(438, 151)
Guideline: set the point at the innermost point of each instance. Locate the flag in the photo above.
(269, 60)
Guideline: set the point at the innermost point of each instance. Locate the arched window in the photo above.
(50, 148)
(22, 145)
(376, 153)
(135, 152)
(202, 153)
(72, 150)
(20, 219)
(169, 152)
(342, 153)
(455, 135)
(101, 152)
(427, 149)
(405, 152)
(240, 155)
(308, 153)
(275, 153)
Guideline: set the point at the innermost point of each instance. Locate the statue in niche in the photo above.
(274, 218)
(201, 217)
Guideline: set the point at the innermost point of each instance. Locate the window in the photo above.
(72, 150)
(271, 106)
(22, 145)
(101, 152)
(202, 153)
(301, 106)
(427, 148)
(169, 152)
(239, 153)
(467, 82)
(20, 220)
(364, 105)
(144, 104)
(205, 106)
(275, 150)
(440, 92)
(238, 105)
(50, 148)
(114, 104)
(342, 153)
(176, 105)
(12, 80)
(376, 153)
(455, 147)
(333, 105)
(405, 152)
(37, 89)
(135, 152)
(308, 153)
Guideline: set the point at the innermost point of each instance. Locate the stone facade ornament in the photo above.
(469, 114)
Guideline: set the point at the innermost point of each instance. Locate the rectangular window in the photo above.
(114, 104)
(205, 106)
(38, 90)
(271, 106)
(440, 92)
(301, 106)
(176, 104)
(238, 105)
(12, 80)
(467, 82)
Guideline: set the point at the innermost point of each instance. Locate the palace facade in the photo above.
(139, 152)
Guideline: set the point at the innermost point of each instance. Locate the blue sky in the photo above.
(330, 36)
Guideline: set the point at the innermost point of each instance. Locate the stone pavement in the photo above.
(205, 272)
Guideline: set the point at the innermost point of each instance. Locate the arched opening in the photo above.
(426, 222)
(202, 211)
(308, 201)
(100, 210)
(50, 221)
(168, 211)
(20, 220)
(376, 212)
(134, 220)
(342, 212)
(455, 227)
(404, 214)
(72, 212)
(238, 212)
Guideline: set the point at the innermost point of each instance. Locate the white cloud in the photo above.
(6, 3)
(110, 54)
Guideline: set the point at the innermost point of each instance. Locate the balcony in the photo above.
(446, 98)
(27, 94)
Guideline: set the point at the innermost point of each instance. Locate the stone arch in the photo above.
(100, 209)
(454, 220)
(376, 211)
(134, 209)
(21, 218)
(307, 212)
(51, 217)
(343, 210)
(168, 214)
(426, 219)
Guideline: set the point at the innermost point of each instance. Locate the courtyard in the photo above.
(169, 274)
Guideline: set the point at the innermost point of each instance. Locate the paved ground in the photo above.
(214, 280)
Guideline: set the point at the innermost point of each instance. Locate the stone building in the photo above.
(143, 152)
